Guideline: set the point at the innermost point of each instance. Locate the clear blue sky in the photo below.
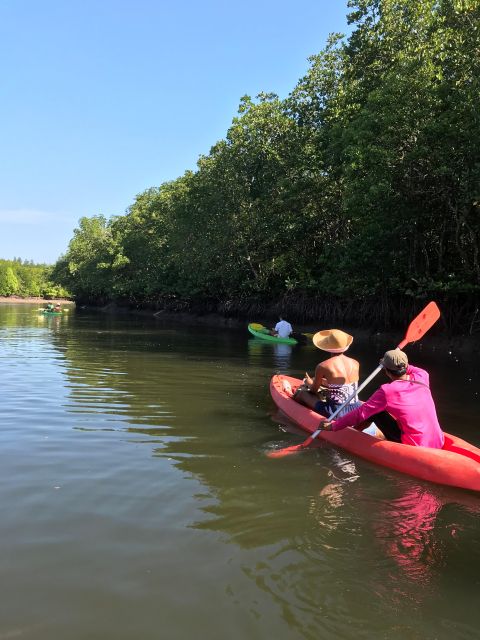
(101, 99)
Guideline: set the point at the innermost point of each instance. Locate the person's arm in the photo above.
(376, 403)
(274, 330)
(418, 374)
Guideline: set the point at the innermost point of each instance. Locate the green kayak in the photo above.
(259, 331)
(46, 312)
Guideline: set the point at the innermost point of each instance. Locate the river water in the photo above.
(138, 501)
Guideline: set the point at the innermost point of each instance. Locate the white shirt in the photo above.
(283, 328)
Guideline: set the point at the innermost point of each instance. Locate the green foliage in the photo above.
(364, 181)
(26, 279)
(87, 267)
(9, 284)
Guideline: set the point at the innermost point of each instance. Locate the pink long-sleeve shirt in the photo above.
(409, 403)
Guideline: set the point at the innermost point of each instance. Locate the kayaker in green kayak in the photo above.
(282, 329)
(53, 308)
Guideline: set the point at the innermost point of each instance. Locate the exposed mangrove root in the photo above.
(459, 316)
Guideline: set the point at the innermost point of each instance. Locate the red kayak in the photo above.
(457, 464)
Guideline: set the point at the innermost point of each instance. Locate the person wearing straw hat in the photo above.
(403, 409)
(335, 379)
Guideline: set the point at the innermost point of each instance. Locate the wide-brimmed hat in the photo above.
(395, 360)
(332, 340)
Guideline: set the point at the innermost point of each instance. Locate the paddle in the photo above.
(417, 328)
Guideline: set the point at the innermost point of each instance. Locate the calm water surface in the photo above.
(138, 501)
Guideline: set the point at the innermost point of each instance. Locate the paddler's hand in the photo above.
(327, 426)
(307, 381)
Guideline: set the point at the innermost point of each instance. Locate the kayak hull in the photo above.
(264, 335)
(51, 313)
(456, 465)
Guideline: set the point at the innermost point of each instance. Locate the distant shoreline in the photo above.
(17, 299)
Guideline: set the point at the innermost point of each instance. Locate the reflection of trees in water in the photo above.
(154, 378)
(330, 550)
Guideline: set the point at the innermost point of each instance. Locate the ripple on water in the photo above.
(134, 477)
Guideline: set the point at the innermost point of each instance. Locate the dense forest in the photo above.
(26, 279)
(354, 199)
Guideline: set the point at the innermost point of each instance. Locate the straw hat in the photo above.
(332, 340)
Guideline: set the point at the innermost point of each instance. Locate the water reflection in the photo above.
(282, 355)
(334, 542)
(404, 527)
(279, 354)
(133, 382)
(21, 314)
(157, 437)
(407, 527)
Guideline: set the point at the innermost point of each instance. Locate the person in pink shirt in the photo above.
(402, 409)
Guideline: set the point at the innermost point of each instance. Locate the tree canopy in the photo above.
(362, 184)
(26, 279)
